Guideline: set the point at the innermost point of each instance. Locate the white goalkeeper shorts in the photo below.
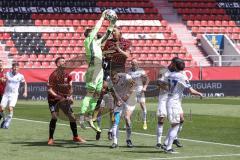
(9, 100)
(174, 110)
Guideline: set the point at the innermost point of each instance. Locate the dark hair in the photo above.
(57, 59)
(15, 64)
(87, 32)
(180, 64)
(174, 59)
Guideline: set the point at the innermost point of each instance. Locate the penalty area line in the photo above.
(137, 133)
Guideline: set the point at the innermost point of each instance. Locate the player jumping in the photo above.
(94, 74)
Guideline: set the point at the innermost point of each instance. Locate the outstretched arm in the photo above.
(109, 31)
(97, 27)
(195, 92)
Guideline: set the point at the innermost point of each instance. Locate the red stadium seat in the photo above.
(53, 50)
(61, 50)
(61, 22)
(49, 43)
(68, 22)
(9, 43)
(45, 22)
(41, 57)
(36, 65)
(65, 43)
(57, 42)
(53, 22)
(76, 23)
(61, 35)
(38, 22)
(13, 50)
(45, 64)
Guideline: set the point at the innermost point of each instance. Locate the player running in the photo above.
(13, 79)
(94, 74)
(178, 82)
(141, 81)
(59, 90)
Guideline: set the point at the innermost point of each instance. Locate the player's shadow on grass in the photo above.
(144, 152)
(58, 143)
(39, 143)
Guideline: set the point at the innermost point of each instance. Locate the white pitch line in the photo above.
(192, 157)
(143, 134)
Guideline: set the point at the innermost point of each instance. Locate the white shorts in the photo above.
(162, 106)
(9, 100)
(124, 107)
(140, 97)
(107, 101)
(174, 110)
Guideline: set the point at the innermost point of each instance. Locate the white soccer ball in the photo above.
(111, 15)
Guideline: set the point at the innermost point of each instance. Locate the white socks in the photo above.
(171, 136)
(115, 133)
(159, 133)
(128, 132)
(144, 114)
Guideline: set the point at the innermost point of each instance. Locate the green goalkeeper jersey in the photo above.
(93, 46)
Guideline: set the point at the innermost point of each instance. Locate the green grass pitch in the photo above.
(211, 131)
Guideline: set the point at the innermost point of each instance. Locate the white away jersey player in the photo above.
(137, 76)
(178, 82)
(163, 95)
(123, 87)
(10, 95)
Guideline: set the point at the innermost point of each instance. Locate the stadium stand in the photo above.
(212, 16)
(39, 48)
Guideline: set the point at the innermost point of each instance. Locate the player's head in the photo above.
(114, 77)
(134, 64)
(60, 61)
(15, 67)
(172, 65)
(116, 33)
(179, 65)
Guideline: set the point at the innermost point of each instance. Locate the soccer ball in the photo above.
(111, 15)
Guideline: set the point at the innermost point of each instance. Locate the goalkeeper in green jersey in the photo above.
(94, 74)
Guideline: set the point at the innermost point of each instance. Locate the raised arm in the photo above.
(97, 27)
(109, 31)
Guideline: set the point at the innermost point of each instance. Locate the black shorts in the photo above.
(53, 107)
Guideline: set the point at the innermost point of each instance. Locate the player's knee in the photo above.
(160, 122)
(181, 121)
(53, 121)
